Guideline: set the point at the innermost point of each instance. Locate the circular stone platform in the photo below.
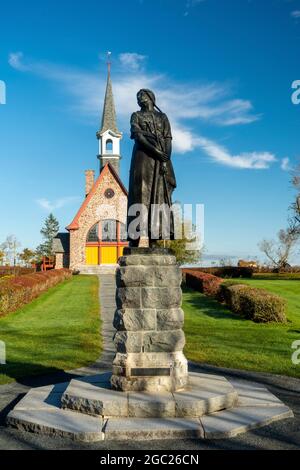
(87, 409)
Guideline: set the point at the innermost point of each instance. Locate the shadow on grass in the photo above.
(35, 375)
(208, 306)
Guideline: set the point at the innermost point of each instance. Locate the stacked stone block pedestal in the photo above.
(149, 339)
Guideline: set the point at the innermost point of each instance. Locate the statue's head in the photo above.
(145, 96)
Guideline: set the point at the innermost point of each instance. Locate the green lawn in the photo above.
(59, 330)
(216, 336)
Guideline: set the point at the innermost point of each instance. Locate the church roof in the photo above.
(61, 243)
(109, 119)
(74, 225)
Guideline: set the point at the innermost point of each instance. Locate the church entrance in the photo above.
(105, 242)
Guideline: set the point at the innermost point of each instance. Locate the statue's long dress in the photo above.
(146, 184)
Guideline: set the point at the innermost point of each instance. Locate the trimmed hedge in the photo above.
(254, 304)
(233, 272)
(17, 270)
(287, 270)
(18, 291)
(203, 282)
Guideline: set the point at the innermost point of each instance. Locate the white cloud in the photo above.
(57, 204)
(285, 164)
(295, 14)
(185, 141)
(132, 60)
(246, 160)
(209, 102)
(185, 104)
(15, 60)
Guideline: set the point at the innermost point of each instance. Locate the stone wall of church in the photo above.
(59, 261)
(62, 260)
(98, 208)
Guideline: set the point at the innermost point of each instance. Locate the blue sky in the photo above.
(221, 69)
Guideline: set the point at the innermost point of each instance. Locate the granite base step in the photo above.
(204, 394)
(100, 413)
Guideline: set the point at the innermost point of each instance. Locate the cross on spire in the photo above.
(108, 63)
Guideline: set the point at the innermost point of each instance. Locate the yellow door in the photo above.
(91, 255)
(109, 255)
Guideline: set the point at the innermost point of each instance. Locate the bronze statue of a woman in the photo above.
(152, 178)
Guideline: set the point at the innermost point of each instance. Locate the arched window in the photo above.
(93, 234)
(109, 146)
(109, 230)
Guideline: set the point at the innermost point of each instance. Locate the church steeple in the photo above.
(109, 136)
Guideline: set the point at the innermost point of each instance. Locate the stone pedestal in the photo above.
(149, 320)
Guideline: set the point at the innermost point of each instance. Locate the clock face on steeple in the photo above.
(109, 193)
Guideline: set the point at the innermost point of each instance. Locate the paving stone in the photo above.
(198, 400)
(152, 428)
(201, 376)
(143, 405)
(230, 423)
(36, 399)
(206, 382)
(58, 423)
(254, 395)
(94, 400)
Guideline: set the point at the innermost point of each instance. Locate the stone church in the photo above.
(97, 234)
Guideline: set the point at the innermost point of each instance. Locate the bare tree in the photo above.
(10, 247)
(226, 262)
(279, 251)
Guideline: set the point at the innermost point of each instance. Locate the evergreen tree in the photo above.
(49, 231)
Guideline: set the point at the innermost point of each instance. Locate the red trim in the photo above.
(74, 225)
